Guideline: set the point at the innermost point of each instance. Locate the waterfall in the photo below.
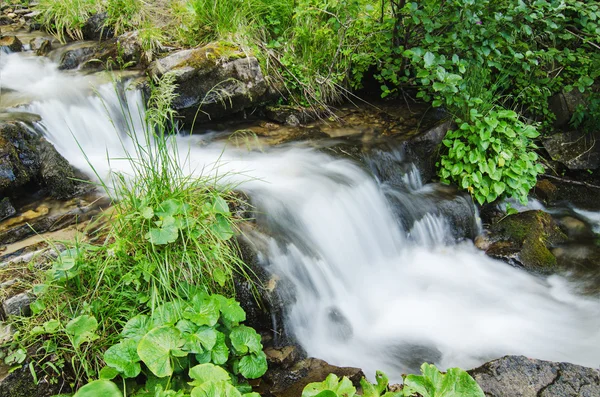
(381, 276)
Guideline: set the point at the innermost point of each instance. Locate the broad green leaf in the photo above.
(458, 383)
(382, 381)
(429, 59)
(108, 373)
(253, 366)
(203, 310)
(220, 206)
(368, 390)
(245, 339)
(221, 227)
(124, 357)
(147, 213)
(137, 327)
(156, 348)
(51, 326)
(215, 389)
(231, 309)
(208, 372)
(169, 313)
(325, 393)
(220, 352)
(97, 388)
(162, 235)
(204, 338)
(82, 329)
(169, 208)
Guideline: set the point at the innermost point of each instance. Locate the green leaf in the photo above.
(220, 206)
(253, 366)
(204, 338)
(124, 358)
(437, 86)
(102, 387)
(231, 309)
(163, 235)
(429, 59)
(51, 326)
(221, 227)
(82, 329)
(137, 327)
(108, 373)
(220, 352)
(245, 339)
(156, 348)
(170, 207)
(203, 310)
(455, 383)
(215, 389)
(147, 213)
(168, 314)
(208, 372)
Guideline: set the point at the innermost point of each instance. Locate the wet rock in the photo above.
(214, 81)
(576, 150)
(31, 15)
(5, 20)
(563, 106)
(11, 43)
(17, 305)
(289, 115)
(6, 209)
(40, 45)
(20, 383)
(290, 382)
(117, 53)
(28, 159)
(283, 357)
(95, 29)
(559, 191)
(423, 149)
(72, 58)
(518, 376)
(526, 239)
(582, 258)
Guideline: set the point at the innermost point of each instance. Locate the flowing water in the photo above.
(378, 274)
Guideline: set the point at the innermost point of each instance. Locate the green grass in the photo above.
(65, 18)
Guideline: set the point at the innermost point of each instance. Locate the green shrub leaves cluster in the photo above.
(431, 383)
(491, 156)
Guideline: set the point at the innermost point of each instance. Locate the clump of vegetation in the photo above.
(65, 18)
(166, 244)
(432, 383)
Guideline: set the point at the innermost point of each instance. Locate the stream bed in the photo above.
(378, 267)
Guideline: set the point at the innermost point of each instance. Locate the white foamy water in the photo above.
(366, 290)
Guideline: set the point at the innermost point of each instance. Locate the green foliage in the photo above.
(332, 385)
(104, 388)
(491, 156)
(587, 116)
(454, 383)
(123, 15)
(65, 18)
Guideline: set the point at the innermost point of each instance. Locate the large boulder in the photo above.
(10, 43)
(518, 376)
(95, 27)
(213, 81)
(526, 239)
(29, 161)
(576, 150)
(563, 105)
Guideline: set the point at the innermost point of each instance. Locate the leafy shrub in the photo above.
(587, 116)
(491, 155)
(432, 383)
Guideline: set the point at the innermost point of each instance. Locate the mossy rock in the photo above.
(526, 239)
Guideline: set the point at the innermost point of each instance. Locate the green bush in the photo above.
(491, 155)
(65, 18)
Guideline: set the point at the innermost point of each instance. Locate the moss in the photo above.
(530, 235)
(208, 56)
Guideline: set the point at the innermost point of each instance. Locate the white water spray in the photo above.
(370, 289)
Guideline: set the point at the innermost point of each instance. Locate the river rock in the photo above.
(40, 45)
(526, 239)
(27, 158)
(6, 209)
(95, 27)
(558, 191)
(563, 105)
(17, 305)
(423, 149)
(116, 53)
(213, 81)
(11, 43)
(518, 376)
(77, 55)
(288, 115)
(5, 20)
(279, 382)
(575, 149)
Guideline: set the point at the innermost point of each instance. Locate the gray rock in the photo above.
(95, 29)
(6, 20)
(214, 81)
(563, 106)
(518, 376)
(289, 115)
(80, 53)
(11, 43)
(6, 209)
(40, 45)
(576, 150)
(17, 305)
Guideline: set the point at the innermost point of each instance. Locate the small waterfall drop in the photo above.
(380, 277)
